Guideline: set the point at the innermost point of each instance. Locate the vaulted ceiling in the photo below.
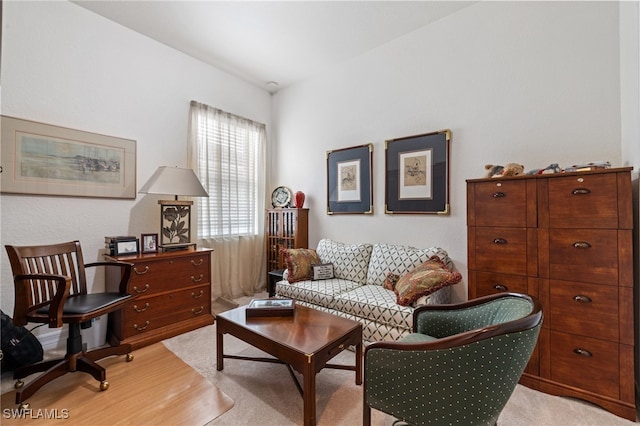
(273, 41)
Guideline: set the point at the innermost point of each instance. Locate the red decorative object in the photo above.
(299, 197)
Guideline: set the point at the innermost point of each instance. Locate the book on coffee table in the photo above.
(270, 307)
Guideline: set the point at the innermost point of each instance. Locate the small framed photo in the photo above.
(417, 174)
(349, 180)
(149, 243)
(123, 247)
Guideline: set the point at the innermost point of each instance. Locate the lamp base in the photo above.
(177, 247)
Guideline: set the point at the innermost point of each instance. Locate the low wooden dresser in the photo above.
(174, 296)
(568, 240)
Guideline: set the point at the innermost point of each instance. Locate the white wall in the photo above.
(534, 83)
(630, 83)
(64, 65)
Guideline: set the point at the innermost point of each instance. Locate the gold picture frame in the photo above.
(43, 159)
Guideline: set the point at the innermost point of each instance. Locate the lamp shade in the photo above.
(174, 181)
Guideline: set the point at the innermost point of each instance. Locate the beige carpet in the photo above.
(156, 388)
(221, 304)
(264, 394)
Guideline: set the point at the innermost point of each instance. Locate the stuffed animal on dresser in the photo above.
(509, 169)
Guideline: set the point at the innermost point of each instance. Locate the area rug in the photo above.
(156, 388)
(221, 305)
(265, 395)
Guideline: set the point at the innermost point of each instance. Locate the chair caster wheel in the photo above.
(24, 406)
(129, 357)
(18, 384)
(104, 385)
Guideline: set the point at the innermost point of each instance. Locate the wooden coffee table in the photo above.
(305, 342)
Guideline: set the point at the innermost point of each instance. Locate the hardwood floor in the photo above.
(155, 388)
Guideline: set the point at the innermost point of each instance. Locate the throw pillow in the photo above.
(299, 263)
(390, 281)
(322, 272)
(397, 259)
(423, 280)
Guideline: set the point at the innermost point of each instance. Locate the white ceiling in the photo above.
(273, 41)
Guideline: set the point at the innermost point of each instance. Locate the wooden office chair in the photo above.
(50, 288)
(459, 366)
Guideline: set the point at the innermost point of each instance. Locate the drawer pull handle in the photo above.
(197, 296)
(144, 308)
(499, 241)
(194, 263)
(144, 290)
(501, 287)
(581, 245)
(499, 195)
(146, 269)
(581, 191)
(197, 311)
(582, 352)
(582, 299)
(137, 327)
(197, 280)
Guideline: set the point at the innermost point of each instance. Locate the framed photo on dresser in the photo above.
(149, 243)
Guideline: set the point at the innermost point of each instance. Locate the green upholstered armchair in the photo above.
(459, 366)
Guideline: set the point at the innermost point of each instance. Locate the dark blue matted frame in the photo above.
(435, 200)
(346, 192)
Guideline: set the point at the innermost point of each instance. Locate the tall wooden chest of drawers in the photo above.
(174, 296)
(566, 239)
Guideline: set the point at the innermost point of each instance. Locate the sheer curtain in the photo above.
(227, 152)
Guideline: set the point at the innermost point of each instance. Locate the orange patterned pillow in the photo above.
(299, 263)
(424, 279)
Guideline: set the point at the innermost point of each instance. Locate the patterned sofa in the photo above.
(357, 290)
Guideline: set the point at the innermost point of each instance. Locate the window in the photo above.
(228, 155)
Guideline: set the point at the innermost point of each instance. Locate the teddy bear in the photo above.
(509, 169)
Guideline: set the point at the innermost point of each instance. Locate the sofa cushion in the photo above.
(377, 304)
(371, 331)
(299, 263)
(398, 259)
(320, 292)
(350, 261)
(423, 280)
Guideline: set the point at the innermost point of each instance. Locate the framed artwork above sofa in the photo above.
(417, 173)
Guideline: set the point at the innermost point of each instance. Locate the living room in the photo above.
(528, 82)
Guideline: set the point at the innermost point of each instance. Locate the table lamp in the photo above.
(175, 215)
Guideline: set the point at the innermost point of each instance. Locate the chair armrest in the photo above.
(56, 303)
(465, 338)
(126, 268)
(444, 320)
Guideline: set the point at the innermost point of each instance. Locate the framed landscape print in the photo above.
(417, 173)
(349, 180)
(43, 159)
